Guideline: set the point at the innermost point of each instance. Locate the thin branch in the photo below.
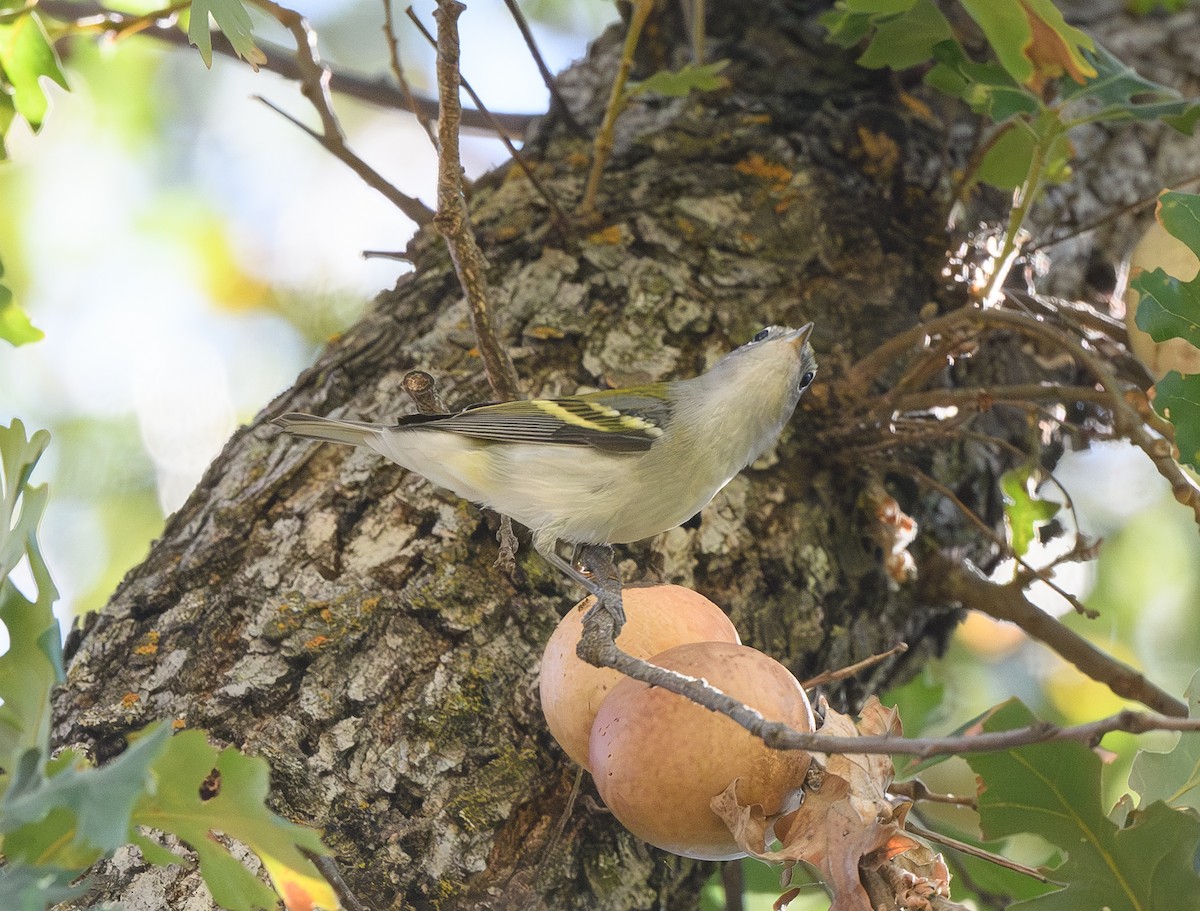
(558, 104)
(1032, 572)
(452, 221)
(973, 851)
(1127, 420)
(603, 145)
(393, 43)
(597, 648)
(328, 868)
(422, 389)
(948, 580)
(280, 61)
(314, 85)
(413, 208)
(914, 789)
(1095, 223)
(556, 213)
(983, 398)
(851, 670)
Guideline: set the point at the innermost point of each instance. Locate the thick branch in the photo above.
(949, 580)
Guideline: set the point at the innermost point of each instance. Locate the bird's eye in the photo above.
(807, 379)
(761, 335)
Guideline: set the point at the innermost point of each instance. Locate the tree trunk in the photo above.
(342, 618)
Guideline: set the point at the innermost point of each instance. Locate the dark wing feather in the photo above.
(621, 420)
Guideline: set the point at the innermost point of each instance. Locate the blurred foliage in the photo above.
(59, 813)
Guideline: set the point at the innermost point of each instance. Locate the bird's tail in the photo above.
(328, 430)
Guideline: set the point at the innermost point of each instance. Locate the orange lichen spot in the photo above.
(473, 352)
(369, 604)
(755, 165)
(881, 150)
(785, 202)
(758, 119)
(148, 645)
(686, 226)
(579, 159)
(178, 724)
(609, 236)
(316, 642)
(507, 232)
(544, 332)
(326, 615)
(130, 699)
(916, 105)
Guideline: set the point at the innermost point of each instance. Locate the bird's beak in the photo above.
(801, 337)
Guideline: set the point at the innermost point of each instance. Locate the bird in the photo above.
(600, 468)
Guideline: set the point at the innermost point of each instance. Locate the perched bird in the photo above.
(607, 467)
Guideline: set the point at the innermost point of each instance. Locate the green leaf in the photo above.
(26, 55)
(1023, 512)
(1053, 790)
(1118, 93)
(8, 114)
(846, 29)
(78, 813)
(986, 87)
(1172, 777)
(15, 327)
(32, 889)
(1007, 161)
(1177, 398)
(1168, 307)
(907, 39)
(202, 791)
(232, 19)
(1031, 40)
(682, 82)
(33, 663)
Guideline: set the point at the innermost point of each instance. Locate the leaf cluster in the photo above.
(1133, 858)
(1170, 308)
(59, 813)
(1039, 78)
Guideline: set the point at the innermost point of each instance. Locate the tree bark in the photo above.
(322, 608)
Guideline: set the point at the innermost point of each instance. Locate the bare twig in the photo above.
(558, 104)
(314, 85)
(598, 648)
(451, 219)
(1095, 223)
(983, 398)
(973, 851)
(556, 213)
(851, 670)
(393, 43)
(92, 16)
(328, 868)
(734, 881)
(947, 579)
(915, 789)
(1127, 420)
(1031, 572)
(422, 389)
(603, 144)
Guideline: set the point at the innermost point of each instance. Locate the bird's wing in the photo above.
(620, 420)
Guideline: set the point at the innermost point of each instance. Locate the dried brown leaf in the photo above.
(846, 820)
